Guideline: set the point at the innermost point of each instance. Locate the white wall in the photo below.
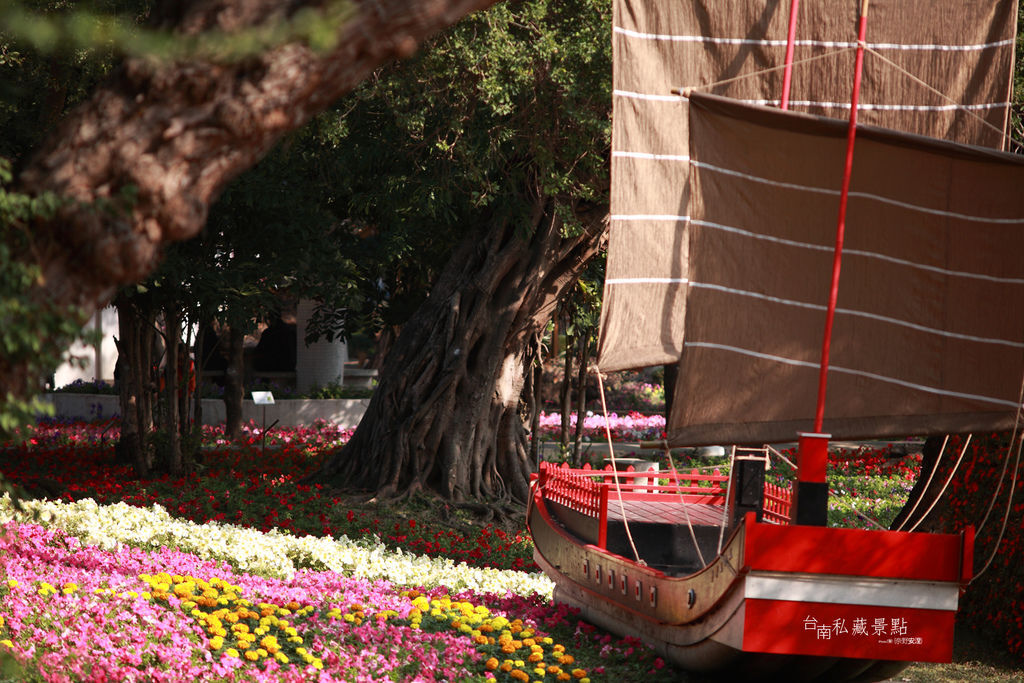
(320, 363)
(99, 363)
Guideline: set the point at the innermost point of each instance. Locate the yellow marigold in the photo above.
(240, 628)
(319, 665)
(216, 643)
(491, 664)
(526, 633)
(69, 588)
(281, 657)
(12, 583)
(231, 617)
(535, 647)
(529, 642)
(262, 652)
(252, 655)
(6, 643)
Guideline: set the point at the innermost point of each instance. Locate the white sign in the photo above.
(263, 398)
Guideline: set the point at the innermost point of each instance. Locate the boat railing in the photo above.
(778, 503)
(588, 490)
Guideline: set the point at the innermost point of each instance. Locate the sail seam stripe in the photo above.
(850, 371)
(646, 96)
(860, 252)
(651, 156)
(648, 217)
(863, 195)
(861, 314)
(684, 38)
(824, 104)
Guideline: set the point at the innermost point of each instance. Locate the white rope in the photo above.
(682, 500)
(1006, 516)
(1006, 461)
(959, 106)
(725, 508)
(928, 484)
(615, 468)
(949, 479)
(752, 74)
(941, 94)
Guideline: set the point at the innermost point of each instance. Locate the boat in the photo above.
(735, 208)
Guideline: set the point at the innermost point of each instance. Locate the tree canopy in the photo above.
(138, 163)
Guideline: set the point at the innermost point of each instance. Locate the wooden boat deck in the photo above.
(669, 511)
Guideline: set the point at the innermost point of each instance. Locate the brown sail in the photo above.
(965, 50)
(929, 329)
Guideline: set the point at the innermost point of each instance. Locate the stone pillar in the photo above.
(322, 362)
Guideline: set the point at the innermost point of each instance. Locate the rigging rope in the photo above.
(686, 515)
(943, 95)
(725, 508)
(960, 107)
(942, 491)
(1006, 461)
(928, 484)
(615, 468)
(1006, 517)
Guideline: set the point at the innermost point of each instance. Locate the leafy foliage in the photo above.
(510, 105)
(28, 327)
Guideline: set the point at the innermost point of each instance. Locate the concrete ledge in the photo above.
(344, 412)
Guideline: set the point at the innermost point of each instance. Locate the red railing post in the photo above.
(602, 519)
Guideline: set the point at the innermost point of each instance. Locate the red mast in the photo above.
(812, 489)
(787, 78)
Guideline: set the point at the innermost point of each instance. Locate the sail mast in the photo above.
(812, 488)
(787, 78)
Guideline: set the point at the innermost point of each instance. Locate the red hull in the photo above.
(817, 603)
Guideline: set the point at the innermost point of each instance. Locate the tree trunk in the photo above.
(135, 328)
(445, 415)
(566, 395)
(581, 397)
(234, 383)
(142, 160)
(535, 392)
(172, 323)
(197, 408)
